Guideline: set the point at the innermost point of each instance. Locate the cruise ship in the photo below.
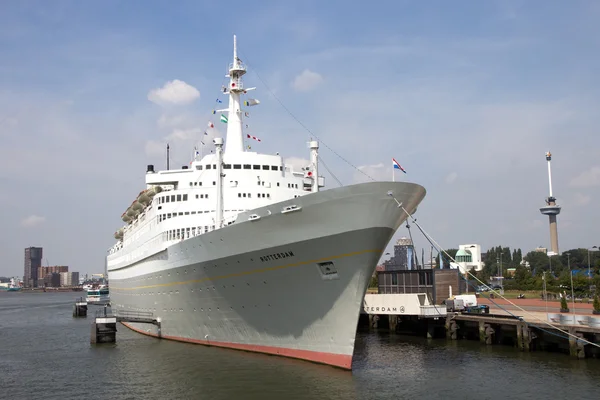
(241, 250)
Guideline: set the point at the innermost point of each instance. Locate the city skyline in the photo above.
(467, 97)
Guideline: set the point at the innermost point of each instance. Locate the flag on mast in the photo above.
(253, 137)
(397, 165)
(223, 118)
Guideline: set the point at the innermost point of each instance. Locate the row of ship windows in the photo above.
(186, 233)
(260, 195)
(260, 183)
(244, 166)
(173, 198)
(163, 217)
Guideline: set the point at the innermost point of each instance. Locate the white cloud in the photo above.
(587, 178)
(174, 92)
(364, 173)
(154, 148)
(185, 134)
(307, 81)
(32, 220)
(298, 163)
(451, 178)
(170, 121)
(580, 199)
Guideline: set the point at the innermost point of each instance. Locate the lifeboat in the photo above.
(131, 212)
(154, 191)
(125, 217)
(119, 234)
(137, 206)
(143, 198)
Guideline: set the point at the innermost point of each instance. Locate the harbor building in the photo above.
(468, 257)
(33, 261)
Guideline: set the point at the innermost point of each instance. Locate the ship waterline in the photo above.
(290, 284)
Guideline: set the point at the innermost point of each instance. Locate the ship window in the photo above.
(196, 196)
(206, 196)
(214, 183)
(247, 166)
(191, 183)
(199, 183)
(237, 166)
(172, 198)
(193, 212)
(268, 196)
(249, 195)
(281, 168)
(199, 167)
(186, 213)
(178, 197)
(239, 195)
(214, 166)
(296, 186)
(244, 194)
(226, 166)
(181, 213)
(208, 166)
(256, 167)
(274, 168)
(185, 197)
(265, 167)
(166, 199)
(277, 184)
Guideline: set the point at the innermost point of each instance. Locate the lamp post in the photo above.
(571, 273)
(593, 248)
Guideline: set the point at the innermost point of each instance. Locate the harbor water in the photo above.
(45, 353)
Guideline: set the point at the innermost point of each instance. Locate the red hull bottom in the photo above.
(335, 360)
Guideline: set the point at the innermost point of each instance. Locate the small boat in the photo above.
(98, 295)
(12, 286)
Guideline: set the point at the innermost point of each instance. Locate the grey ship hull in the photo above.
(290, 284)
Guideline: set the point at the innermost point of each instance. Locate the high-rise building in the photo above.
(43, 271)
(69, 278)
(33, 261)
(403, 256)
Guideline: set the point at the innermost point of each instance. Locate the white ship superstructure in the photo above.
(241, 250)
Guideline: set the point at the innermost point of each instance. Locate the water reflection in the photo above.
(46, 354)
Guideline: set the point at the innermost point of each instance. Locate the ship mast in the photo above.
(235, 139)
(219, 150)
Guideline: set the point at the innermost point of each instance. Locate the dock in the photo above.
(104, 326)
(574, 334)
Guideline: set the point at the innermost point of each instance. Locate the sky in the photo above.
(468, 96)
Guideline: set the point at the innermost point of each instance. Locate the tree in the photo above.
(596, 305)
(538, 261)
(523, 278)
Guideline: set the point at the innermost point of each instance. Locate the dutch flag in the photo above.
(397, 165)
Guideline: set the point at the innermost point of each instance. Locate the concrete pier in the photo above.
(104, 328)
(80, 308)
